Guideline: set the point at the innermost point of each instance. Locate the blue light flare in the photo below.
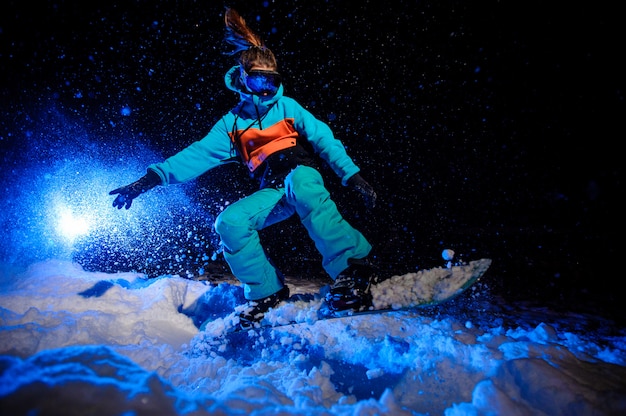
(57, 205)
(71, 225)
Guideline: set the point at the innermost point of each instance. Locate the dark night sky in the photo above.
(490, 127)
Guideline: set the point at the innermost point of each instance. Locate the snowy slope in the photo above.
(114, 343)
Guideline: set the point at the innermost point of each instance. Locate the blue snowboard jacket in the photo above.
(270, 135)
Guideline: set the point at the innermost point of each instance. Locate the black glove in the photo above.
(129, 192)
(358, 183)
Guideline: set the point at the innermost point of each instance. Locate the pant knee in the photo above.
(231, 228)
(305, 184)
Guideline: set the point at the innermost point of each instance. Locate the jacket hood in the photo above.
(233, 82)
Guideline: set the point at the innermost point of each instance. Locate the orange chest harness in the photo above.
(257, 144)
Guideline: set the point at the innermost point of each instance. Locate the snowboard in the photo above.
(424, 288)
(421, 289)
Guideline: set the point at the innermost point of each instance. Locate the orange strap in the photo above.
(256, 145)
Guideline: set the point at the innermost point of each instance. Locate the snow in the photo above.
(79, 342)
(472, 125)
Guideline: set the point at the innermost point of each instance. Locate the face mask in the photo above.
(261, 82)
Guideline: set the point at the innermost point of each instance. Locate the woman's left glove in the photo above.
(127, 193)
(359, 184)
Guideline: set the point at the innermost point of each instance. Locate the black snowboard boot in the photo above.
(256, 309)
(351, 290)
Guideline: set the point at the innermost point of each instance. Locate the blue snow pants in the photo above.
(303, 193)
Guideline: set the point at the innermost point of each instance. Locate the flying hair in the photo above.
(239, 34)
(246, 42)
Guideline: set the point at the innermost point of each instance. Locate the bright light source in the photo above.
(72, 226)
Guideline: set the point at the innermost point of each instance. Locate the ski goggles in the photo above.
(261, 82)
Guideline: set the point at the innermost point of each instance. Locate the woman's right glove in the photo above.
(127, 193)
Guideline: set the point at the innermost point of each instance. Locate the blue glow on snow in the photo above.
(59, 178)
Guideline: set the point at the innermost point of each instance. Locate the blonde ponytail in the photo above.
(239, 34)
(246, 41)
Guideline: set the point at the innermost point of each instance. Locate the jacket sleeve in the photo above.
(199, 157)
(324, 142)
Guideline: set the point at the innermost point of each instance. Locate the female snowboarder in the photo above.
(278, 140)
